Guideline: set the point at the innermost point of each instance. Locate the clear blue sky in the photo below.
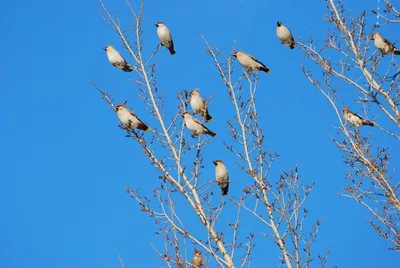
(62, 198)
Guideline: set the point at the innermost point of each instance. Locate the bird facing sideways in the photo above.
(249, 62)
(355, 119)
(165, 37)
(197, 261)
(284, 35)
(198, 105)
(221, 174)
(117, 60)
(129, 119)
(196, 126)
(384, 45)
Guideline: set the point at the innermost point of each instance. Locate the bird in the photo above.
(165, 37)
(197, 261)
(284, 35)
(355, 119)
(129, 119)
(221, 174)
(117, 60)
(196, 126)
(249, 62)
(384, 45)
(198, 105)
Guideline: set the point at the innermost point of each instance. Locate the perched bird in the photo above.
(197, 261)
(221, 174)
(129, 119)
(384, 45)
(198, 105)
(117, 60)
(355, 119)
(165, 37)
(284, 35)
(196, 126)
(249, 62)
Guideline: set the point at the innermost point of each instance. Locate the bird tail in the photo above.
(225, 190)
(127, 68)
(212, 134)
(396, 52)
(171, 50)
(291, 45)
(265, 69)
(368, 123)
(208, 117)
(144, 127)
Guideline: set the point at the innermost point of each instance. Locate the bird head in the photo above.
(185, 114)
(279, 24)
(345, 110)
(107, 48)
(120, 107)
(373, 36)
(197, 252)
(158, 24)
(194, 92)
(217, 162)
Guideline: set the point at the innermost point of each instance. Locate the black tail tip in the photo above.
(266, 70)
(224, 191)
(212, 134)
(208, 118)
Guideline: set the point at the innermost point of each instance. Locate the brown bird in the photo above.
(117, 60)
(221, 174)
(196, 126)
(197, 261)
(129, 119)
(165, 37)
(384, 45)
(355, 119)
(249, 62)
(198, 105)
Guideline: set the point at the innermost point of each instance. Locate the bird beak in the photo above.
(215, 162)
(182, 115)
(234, 55)
(105, 48)
(156, 24)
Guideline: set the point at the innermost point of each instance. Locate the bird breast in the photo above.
(163, 34)
(379, 43)
(114, 57)
(247, 61)
(354, 119)
(193, 126)
(197, 103)
(127, 119)
(283, 33)
(221, 172)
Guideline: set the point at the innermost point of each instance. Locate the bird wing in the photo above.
(252, 57)
(291, 35)
(198, 122)
(134, 115)
(123, 60)
(389, 43)
(358, 116)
